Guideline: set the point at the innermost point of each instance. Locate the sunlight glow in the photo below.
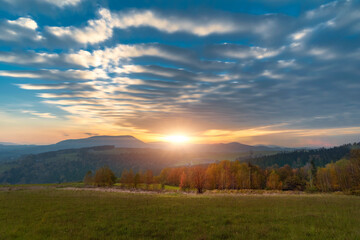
(176, 139)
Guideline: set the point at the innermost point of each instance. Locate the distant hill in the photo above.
(8, 143)
(13, 152)
(236, 147)
(116, 141)
(299, 158)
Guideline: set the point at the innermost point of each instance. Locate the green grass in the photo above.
(58, 185)
(64, 214)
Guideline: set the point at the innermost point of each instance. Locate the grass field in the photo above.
(65, 214)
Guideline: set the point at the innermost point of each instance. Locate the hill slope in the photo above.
(299, 158)
(72, 164)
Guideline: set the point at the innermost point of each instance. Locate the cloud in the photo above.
(63, 3)
(38, 114)
(55, 74)
(18, 30)
(101, 29)
(24, 22)
(243, 52)
(57, 3)
(301, 34)
(29, 58)
(40, 87)
(276, 76)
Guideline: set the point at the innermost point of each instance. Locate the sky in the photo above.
(254, 71)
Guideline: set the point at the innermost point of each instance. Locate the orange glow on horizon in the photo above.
(176, 139)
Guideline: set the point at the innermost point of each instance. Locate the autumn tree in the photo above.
(184, 181)
(104, 177)
(89, 178)
(127, 178)
(354, 168)
(173, 177)
(213, 176)
(273, 181)
(148, 178)
(137, 179)
(323, 180)
(243, 177)
(198, 178)
(162, 178)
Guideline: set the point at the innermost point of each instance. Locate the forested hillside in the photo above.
(299, 158)
(72, 164)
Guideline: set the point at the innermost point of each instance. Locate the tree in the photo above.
(213, 176)
(137, 179)
(149, 178)
(294, 183)
(162, 178)
(127, 178)
(89, 178)
(354, 168)
(312, 173)
(273, 181)
(104, 177)
(323, 182)
(242, 176)
(184, 181)
(198, 178)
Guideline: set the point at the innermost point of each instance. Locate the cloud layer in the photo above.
(236, 77)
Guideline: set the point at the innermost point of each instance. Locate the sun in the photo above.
(177, 139)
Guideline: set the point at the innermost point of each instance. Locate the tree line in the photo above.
(343, 175)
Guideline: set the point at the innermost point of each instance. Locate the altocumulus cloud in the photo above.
(239, 74)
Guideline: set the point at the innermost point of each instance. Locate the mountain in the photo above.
(8, 143)
(116, 141)
(13, 152)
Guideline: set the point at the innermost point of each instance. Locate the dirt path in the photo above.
(101, 189)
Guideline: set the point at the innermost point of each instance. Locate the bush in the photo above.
(310, 189)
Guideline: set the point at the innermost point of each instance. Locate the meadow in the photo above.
(55, 213)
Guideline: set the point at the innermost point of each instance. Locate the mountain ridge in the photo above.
(12, 152)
